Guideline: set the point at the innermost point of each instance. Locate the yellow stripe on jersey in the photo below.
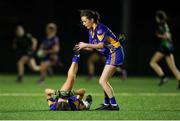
(101, 37)
(92, 34)
(76, 103)
(113, 57)
(50, 102)
(115, 43)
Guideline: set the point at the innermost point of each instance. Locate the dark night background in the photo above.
(135, 18)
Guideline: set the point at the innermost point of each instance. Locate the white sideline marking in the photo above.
(93, 94)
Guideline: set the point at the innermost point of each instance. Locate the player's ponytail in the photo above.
(90, 14)
(96, 16)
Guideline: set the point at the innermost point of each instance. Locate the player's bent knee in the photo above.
(47, 91)
(102, 82)
(152, 63)
(19, 63)
(83, 90)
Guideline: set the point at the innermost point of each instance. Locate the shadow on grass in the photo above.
(29, 111)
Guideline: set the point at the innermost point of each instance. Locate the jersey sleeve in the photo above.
(51, 103)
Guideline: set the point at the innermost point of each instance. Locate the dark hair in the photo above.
(161, 15)
(90, 14)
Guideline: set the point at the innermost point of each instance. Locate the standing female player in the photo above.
(106, 43)
(165, 49)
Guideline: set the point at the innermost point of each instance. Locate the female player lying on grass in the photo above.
(65, 98)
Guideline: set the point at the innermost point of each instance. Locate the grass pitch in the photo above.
(138, 97)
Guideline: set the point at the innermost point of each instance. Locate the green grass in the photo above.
(139, 98)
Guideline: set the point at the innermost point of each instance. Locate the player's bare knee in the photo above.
(19, 63)
(102, 82)
(46, 91)
(83, 90)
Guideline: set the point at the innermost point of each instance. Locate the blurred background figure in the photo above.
(165, 49)
(25, 46)
(49, 50)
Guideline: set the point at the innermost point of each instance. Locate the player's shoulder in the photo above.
(101, 28)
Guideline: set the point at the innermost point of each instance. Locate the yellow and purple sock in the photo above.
(76, 58)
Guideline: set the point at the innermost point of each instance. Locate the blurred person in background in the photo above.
(48, 51)
(25, 45)
(165, 49)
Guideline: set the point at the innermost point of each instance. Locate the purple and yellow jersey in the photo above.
(112, 48)
(48, 44)
(51, 103)
(103, 34)
(73, 101)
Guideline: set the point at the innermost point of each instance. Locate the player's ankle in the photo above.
(76, 58)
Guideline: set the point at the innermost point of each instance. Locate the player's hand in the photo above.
(81, 45)
(75, 47)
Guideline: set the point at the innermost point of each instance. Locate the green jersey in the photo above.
(24, 44)
(164, 28)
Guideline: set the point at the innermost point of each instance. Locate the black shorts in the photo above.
(166, 50)
(21, 54)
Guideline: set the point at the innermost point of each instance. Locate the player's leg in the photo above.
(20, 65)
(113, 60)
(155, 66)
(123, 72)
(171, 63)
(86, 104)
(54, 62)
(43, 72)
(33, 65)
(67, 86)
(94, 57)
(80, 92)
(107, 73)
